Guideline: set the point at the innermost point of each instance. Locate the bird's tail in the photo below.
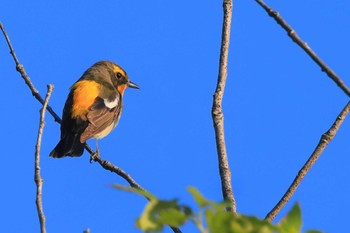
(68, 146)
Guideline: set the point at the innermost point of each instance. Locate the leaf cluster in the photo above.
(211, 217)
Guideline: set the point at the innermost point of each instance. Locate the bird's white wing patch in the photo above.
(111, 104)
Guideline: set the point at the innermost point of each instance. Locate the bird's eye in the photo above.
(119, 75)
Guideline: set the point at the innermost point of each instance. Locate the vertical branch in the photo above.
(37, 177)
(105, 164)
(324, 141)
(217, 114)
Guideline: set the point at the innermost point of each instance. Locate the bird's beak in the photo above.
(133, 85)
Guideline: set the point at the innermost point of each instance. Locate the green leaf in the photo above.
(291, 223)
(147, 222)
(172, 217)
(219, 222)
(230, 223)
(255, 224)
(158, 213)
(220, 206)
(141, 192)
(198, 197)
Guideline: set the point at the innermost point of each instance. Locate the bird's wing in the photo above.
(101, 115)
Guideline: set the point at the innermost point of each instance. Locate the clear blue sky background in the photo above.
(277, 104)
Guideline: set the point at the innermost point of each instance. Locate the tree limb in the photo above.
(112, 168)
(217, 114)
(326, 137)
(37, 177)
(105, 164)
(294, 36)
(324, 141)
(21, 70)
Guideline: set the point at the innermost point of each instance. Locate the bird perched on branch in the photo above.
(93, 107)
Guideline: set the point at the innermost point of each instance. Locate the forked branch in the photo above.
(105, 164)
(326, 137)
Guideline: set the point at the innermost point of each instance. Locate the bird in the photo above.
(93, 107)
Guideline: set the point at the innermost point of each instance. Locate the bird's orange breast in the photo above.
(84, 95)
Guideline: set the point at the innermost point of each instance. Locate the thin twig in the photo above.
(21, 70)
(324, 141)
(112, 168)
(105, 164)
(217, 114)
(37, 177)
(328, 136)
(294, 36)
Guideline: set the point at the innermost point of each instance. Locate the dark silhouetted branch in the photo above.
(217, 114)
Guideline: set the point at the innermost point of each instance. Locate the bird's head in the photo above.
(121, 80)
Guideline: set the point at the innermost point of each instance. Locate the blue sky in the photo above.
(277, 104)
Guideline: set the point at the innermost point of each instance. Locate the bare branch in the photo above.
(324, 141)
(37, 177)
(294, 36)
(326, 137)
(20, 69)
(112, 168)
(105, 164)
(217, 114)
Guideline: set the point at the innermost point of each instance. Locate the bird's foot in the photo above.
(95, 155)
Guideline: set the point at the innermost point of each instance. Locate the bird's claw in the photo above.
(95, 155)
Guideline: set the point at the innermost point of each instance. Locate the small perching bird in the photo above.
(93, 107)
